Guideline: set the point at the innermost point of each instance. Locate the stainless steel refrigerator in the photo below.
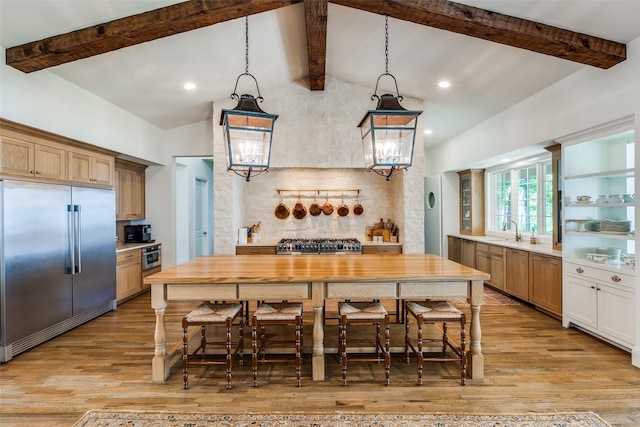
(57, 261)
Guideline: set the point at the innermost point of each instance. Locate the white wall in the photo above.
(185, 141)
(585, 99)
(45, 101)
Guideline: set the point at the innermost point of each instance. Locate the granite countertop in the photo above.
(524, 245)
(124, 247)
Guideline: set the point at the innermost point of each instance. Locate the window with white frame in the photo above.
(521, 193)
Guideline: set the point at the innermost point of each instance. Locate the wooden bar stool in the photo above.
(372, 313)
(282, 313)
(435, 312)
(213, 314)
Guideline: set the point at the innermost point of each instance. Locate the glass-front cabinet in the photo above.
(472, 202)
(598, 245)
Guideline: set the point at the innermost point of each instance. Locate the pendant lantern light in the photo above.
(389, 131)
(248, 131)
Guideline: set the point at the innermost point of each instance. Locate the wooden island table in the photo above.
(315, 277)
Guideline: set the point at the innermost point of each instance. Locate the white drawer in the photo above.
(433, 290)
(362, 290)
(265, 291)
(601, 275)
(203, 293)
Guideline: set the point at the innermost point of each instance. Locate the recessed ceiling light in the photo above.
(189, 86)
(444, 84)
(428, 131)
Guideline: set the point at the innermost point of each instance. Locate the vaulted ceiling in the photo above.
(137, 54)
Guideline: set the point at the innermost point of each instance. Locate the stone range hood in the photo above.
(316, 145)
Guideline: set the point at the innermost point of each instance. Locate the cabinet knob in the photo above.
(615, 278)
(38, 172)
(579, 270)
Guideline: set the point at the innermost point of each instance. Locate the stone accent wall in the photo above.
(316, 145)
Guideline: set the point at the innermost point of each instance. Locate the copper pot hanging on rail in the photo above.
(282, 211)
(299, 211)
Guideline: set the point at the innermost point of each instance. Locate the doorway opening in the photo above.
(194, 207)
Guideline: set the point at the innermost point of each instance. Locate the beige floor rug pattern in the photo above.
(100, 418)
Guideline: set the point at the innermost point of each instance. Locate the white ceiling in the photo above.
(486, 77)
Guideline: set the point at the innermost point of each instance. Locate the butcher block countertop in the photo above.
(315, 268)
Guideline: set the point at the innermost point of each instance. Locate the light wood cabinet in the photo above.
(556, 171)
(91, 168)
(381, 249)
(29, 159)
(455, 249)
(545, 283)
(472, 202)
(468, 253)
(255, 250)
(130, 190)
(517, 273)
(43, 156)
(128, 274)
(490, 259)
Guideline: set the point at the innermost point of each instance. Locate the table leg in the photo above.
(317, 292)
(160, 362)
(476, 359)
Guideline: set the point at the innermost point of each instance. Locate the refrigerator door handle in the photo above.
(71, 253)
(78, 238)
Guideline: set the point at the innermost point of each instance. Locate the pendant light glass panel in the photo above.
(248, 140)
(388, 138)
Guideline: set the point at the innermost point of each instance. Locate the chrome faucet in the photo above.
(518, 236)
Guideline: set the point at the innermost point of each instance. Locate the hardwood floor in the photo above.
(532, 364)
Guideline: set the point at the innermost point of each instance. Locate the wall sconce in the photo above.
(388, 132)
(248, 131)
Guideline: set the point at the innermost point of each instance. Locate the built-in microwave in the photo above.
(151, 257)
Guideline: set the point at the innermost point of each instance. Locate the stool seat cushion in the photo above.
(214, 312)
(362, 310)
(434, 310)
(278, 311)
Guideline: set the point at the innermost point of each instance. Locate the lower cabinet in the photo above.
(545, 282)
(381, 249)
(468, 253)
(601, 302)
(454, 249)
(490, 259)
(517, 273)
(128, 274)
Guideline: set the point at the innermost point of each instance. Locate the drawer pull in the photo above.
(579, 270)
(615, 278)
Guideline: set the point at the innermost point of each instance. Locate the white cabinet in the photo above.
(599, 233)
(601, 302)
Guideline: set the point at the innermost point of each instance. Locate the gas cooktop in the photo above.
(318, 246)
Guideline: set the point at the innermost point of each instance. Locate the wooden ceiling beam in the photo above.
(499, 28)
(315, 15)
(133, 30)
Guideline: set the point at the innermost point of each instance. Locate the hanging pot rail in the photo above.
(318, 192)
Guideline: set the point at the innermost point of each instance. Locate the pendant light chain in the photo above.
(246, 44)
(386, 44)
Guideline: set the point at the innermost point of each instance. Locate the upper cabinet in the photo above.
(90, 168)
(130, 190)
(556, 170)
(32, 160)
(599, 205)
(472, 202)
(35, 154)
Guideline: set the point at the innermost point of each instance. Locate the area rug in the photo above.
(100, 418)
